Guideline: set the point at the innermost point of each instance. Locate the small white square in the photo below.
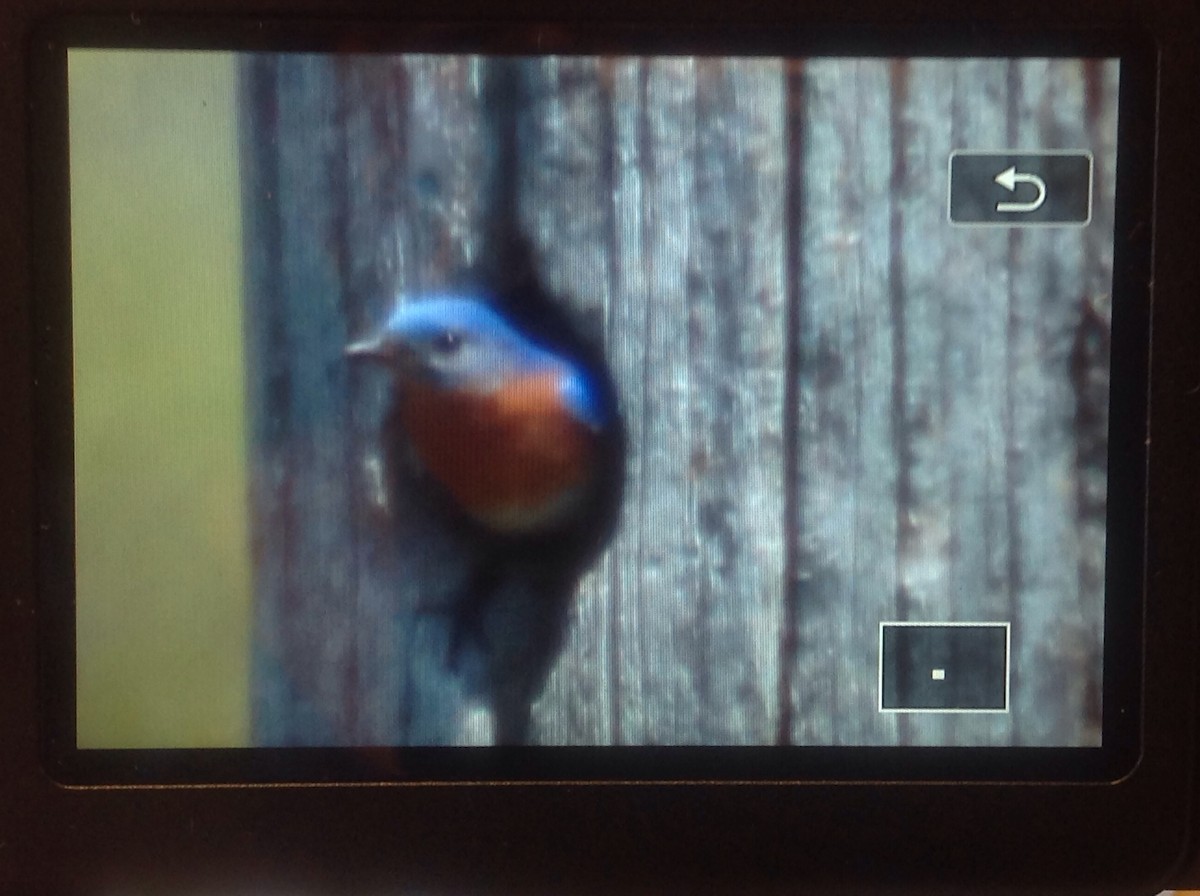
(938, 674)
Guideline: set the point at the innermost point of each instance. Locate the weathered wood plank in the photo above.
(664, 705)
(848, 464)
(974, 265)
(1057, 660)
(300, 406)
(738, 343)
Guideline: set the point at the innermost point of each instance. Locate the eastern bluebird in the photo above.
(508, 422)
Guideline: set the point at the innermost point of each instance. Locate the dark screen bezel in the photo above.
(54, 430)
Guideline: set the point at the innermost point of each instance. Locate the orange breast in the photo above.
(514, 458)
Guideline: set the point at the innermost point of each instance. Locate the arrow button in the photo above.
(1020, 189)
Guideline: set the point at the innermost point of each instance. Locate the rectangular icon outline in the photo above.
(1021, 152)
(1007, 626)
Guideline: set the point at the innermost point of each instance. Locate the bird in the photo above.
(504, 423)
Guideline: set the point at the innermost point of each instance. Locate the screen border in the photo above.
(1128, 426)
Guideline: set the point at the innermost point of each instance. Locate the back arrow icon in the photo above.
(1009, 178)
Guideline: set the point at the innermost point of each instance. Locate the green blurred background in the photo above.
(163, 567)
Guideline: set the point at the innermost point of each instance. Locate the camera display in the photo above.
(456, 399)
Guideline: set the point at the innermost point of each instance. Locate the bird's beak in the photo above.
(373, 348)
(397, 355)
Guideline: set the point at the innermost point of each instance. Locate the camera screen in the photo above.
(455, 399)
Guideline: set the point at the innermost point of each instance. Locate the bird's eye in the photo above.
(447, 342)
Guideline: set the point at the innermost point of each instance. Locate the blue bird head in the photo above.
(462, 343)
